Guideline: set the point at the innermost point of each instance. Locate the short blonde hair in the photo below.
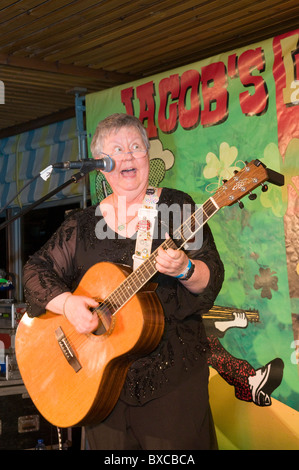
(114, 123)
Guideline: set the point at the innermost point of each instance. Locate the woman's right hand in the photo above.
(76, 308)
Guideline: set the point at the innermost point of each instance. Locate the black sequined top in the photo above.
(60, 264)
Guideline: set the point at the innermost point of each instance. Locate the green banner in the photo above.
(205, 121)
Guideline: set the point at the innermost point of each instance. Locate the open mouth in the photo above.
(128, 172)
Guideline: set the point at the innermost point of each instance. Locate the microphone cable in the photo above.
(44, 174)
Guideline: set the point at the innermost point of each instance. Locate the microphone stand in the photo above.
(74, 179)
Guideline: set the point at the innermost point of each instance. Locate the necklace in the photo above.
(123, 225)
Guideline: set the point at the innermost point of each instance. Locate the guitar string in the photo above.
(117, 294)
(218, 315)
(120, 295)
(205, 209)
(114, 297)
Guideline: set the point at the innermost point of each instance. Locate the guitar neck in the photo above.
(138, 278)
(227, 313)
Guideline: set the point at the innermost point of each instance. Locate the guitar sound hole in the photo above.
(105, 319)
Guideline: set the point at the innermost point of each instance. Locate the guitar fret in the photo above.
(205, 213)
(122, 292)
(210, 207)
(189, 231)
(146, 267)
(133, 279)
(145, 272)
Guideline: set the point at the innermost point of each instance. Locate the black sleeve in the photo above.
(49, 272)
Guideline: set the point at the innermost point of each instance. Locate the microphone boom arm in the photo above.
(74, 179)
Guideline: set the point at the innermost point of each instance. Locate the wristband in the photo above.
(63, 308)
(187, 273)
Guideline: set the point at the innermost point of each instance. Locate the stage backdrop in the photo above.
(204, 121)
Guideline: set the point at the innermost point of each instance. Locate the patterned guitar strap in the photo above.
(147, 215)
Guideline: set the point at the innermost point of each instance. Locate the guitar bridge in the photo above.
(67, 350)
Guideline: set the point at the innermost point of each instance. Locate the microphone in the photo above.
(105, 164)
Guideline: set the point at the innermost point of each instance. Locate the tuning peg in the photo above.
(224, 181)
(252, 196)
(264, 187)
(236, 171)
(241, 205)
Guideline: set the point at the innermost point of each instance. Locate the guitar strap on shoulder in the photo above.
(147, 215)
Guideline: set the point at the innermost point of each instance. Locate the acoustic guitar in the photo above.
(76, 379)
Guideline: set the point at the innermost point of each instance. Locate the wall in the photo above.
(24, 156)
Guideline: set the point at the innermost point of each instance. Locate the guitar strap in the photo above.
(147, 215)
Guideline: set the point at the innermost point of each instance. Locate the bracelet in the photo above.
(63, 308)
(187, 273)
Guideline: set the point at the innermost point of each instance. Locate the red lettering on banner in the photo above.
(215, 95)
(179, 96)
(168, 87)
(232, 68)
(254, 104)
(189, 118)
(286, 75)
(145, 94)
(126, 96)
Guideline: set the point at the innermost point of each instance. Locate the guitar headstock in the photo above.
(244, 182)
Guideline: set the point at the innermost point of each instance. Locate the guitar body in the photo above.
(70, 393)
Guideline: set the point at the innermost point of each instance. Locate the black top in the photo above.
(79, 243)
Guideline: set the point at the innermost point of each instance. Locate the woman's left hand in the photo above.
(174, 262)
(171, 262)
